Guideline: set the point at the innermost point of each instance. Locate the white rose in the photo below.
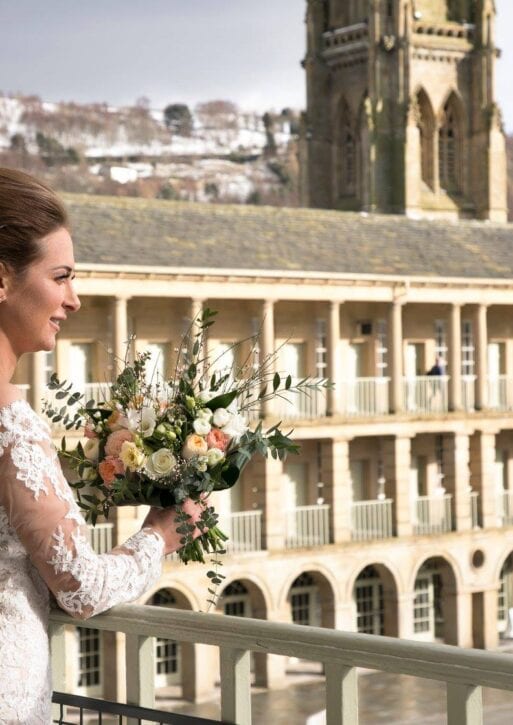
(92, 449)
(236, 427)
(221, 417)
(161, 462)
(148, 421)
(214, 456)
(201, 426)
(205, 413)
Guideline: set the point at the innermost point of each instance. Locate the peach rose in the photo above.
(116, 440)
(108, 469)
(194, 445)
(113, 421)
(218, 439)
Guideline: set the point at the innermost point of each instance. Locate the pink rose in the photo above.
(218, 439)
(116, 440)
(108, 469)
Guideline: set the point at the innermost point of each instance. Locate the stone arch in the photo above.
(435, 610)
(346, 150)
(451, 130)
(175, 661)
(426, 123)
(317, 606)
(375, 594)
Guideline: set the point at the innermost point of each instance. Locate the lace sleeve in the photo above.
(41, 509)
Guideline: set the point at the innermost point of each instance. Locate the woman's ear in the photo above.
(5, 276)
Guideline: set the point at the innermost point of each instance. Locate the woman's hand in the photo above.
(164, 522)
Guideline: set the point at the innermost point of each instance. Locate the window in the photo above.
(156, 365)
(346, 152)
(48, 365)
(441, 343)
(80, 364)
(236, 601)
(370, 608)
(320, 348)
(381, 349)
(89, 658)
(448, 149)
(167, 651)
(467, 348)
(304, 600)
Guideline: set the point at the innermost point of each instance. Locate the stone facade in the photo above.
(401, 110)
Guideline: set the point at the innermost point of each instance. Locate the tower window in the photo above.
(346, 151)
(448, 148)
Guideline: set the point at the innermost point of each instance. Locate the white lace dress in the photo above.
(44, 546)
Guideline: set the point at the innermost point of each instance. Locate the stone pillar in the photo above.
(397, 465)
(37, 380)
(200, 670)
(267, 479)
(457, 612)
(335, 475)
(455, 358)
(457, 478)
(482, 461)
(405, 615)
(334, 367)
(484, 619)
(395, 326)
(267, 346)
(481, 343)
(120, 332)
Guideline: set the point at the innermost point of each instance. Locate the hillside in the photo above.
(212, 153)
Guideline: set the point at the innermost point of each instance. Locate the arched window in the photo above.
(449, 142)
(346, 152)
(426, 126)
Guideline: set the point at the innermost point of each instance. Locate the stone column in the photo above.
(334, 367)
(455, 358)
(397, 465)
(120, 332)
(482, 461)
(267, 480)
(457, 611)
(405, 615)
(335, 475)
(395, 326)
(37, 381)
(481, 342)
(457, 478)
(267, 346)
(484, 617)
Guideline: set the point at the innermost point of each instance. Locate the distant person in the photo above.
(437, 368)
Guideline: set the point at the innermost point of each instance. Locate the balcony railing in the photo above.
(24, 389)
(308, 404)
(468, 392)
(365, 396)
(426, 394)
(308, 526)
(505, 507)
(465, 672)
(500, 393)
(244, 531)
(371, 520)
(100, 537)
(432, 514)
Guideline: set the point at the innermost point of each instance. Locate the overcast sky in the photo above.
(173, 51)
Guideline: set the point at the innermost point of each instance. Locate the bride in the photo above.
(43, 537)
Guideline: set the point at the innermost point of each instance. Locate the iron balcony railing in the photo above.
(308, 526)
(371, 520)
(463, 671)
(432, 514)
(100, 537)
(426, 394)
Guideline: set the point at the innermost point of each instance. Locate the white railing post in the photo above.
(341, 694)
(371, 520)
(308, 526)
(464, 704)
(140, 671)
(235, 685)
(58, 661)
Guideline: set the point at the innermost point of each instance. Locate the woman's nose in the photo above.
(72, 301)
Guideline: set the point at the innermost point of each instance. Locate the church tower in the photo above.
(401, 111)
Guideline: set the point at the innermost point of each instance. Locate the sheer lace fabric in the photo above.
(44, 546)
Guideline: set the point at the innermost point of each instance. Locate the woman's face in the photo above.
(38, 301)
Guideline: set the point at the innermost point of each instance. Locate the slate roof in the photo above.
(109, 230)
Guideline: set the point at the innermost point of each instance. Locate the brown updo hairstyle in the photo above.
(29, 211)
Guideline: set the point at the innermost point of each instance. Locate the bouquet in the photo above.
(158, 442)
